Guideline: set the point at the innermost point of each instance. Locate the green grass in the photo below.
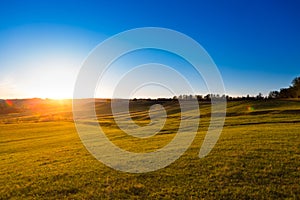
(256, 157)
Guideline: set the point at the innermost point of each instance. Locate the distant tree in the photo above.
(199, 97)
(259, 96)
(295, 88)
(273, 95)
(296, 82)
(293, 91)
(212, 96)
(207, 97)
(186, 97)
(284, 93)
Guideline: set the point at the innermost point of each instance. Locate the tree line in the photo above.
(291, 92)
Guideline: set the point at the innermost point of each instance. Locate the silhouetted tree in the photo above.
(199, 97)
(284, 93)
(207, 97)
(259, 96)
(296, 82)
(273, 95)
(295, 88)
(293, 91)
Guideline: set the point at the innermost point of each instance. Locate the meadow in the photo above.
(256, 157)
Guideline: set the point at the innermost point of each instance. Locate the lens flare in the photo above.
(250, 108)
(9, 102)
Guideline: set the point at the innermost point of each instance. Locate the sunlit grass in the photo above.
(256, 157)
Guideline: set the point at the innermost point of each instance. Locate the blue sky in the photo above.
(255, 44)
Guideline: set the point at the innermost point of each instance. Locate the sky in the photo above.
(43, 44)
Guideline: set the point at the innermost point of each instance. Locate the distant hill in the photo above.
(43, 110)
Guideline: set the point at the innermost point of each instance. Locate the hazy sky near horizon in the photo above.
(255, 44)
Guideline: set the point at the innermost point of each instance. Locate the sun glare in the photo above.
(52, 77)
(47, 61)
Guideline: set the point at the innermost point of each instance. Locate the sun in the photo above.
(53, 78)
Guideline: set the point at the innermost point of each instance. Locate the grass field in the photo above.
(256, 157)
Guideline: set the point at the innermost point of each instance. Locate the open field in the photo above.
(256, 157)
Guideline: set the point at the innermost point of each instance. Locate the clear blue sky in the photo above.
(255, 44)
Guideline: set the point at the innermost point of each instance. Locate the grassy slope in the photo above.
(256, 157)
